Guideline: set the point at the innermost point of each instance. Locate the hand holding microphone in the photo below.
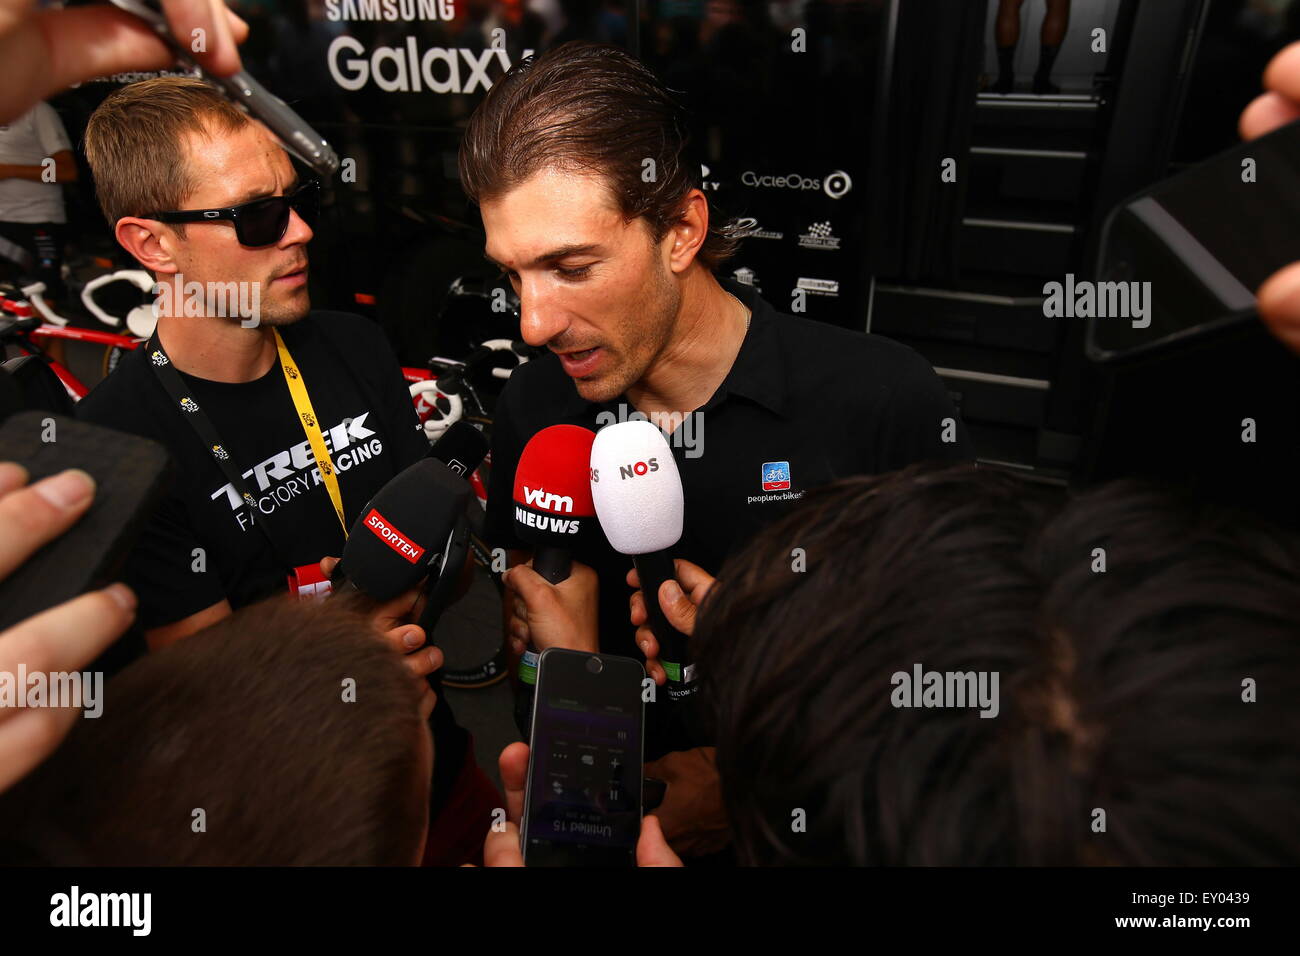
(404, 543)
(392, 621)
(553, 510)
(554, 615)
(639, 499)
(680, 600)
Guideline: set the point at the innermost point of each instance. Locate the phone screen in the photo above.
(1199, 243)
(583, 805)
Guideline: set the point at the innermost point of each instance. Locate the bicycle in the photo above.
(449, 390)
(26, 319)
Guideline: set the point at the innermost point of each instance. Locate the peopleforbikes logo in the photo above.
(408, 70)
(835, 184)
(227, 300)
(82, 690)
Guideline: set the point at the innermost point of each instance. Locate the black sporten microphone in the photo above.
(403, 532)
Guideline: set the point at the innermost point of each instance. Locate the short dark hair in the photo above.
(1120, 689)
(588, 106)
(245, 720)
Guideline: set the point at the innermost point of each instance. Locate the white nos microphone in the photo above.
(639, 502)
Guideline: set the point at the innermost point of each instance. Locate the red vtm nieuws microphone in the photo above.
(553, 496)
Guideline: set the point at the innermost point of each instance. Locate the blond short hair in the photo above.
(135, 143)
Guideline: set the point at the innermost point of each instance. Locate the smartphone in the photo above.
(131, 475)
(295, 135)
(582, 805)
(1196, 246)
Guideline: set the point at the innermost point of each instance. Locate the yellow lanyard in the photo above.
(302, 402)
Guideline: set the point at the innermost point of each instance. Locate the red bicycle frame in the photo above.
(76, 388)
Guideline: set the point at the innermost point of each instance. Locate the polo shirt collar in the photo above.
(758, 373)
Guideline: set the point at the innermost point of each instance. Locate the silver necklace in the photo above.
(748, 314)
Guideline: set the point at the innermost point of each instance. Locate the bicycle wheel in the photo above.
(112, 355)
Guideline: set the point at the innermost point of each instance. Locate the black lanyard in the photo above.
(198, 419)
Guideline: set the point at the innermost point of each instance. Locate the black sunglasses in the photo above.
(262, 222)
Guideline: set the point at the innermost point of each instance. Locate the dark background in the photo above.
(882, 92)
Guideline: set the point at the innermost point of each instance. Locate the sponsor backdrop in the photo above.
(783, 95)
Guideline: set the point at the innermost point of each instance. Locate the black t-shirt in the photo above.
(804, 404)
(369, 423)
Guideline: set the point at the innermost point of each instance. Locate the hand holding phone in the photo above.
(34, 517)
(42, 52)
(293, 132)
(502, 847)
(1279, 296)
(582, 801)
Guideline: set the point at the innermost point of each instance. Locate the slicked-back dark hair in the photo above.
(590, 107)
(1120, 690)
(247, 721)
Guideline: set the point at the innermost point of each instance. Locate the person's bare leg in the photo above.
(1055, 22)
(1007, 34)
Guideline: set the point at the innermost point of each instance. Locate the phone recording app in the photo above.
(586, 786)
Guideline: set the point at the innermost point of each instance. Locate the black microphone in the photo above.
(404, 532)
(462, 448)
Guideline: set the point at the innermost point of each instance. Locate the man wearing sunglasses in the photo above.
(284, 422)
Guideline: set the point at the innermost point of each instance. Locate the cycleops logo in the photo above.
(220, 453)
(540, 498)
(409, 11)
(406, 69)
(836, 184)
(294, 471)
(157, 358)
(189, 404)
(638, 468)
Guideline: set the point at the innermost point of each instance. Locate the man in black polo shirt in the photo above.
(592, 208)
(283, 422)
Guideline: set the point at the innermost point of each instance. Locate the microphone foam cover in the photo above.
(552, 486)
(636, 488)
(402, 528)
